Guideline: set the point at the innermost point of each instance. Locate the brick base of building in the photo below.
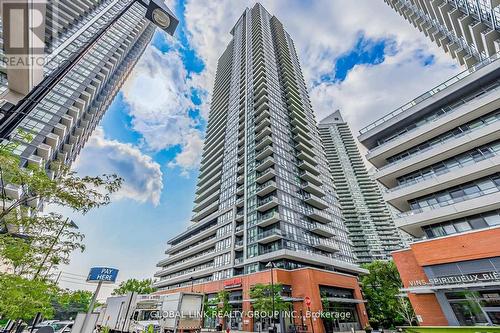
(304, 283)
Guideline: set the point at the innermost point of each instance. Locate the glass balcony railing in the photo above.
(477, 189)
(431, 93)
(486, 121)
(437, 115)
(458, 163)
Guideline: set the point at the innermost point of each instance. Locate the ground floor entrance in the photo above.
(317, 301)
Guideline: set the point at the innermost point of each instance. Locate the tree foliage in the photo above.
(68, 303)
(134, 285)
(22, 298)
(33, 243)
(262, 296)
(381, 288)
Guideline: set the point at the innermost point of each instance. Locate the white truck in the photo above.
(131, 313)
(135, 313)
(182, 312)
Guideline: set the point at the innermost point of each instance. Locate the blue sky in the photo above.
(152, 134)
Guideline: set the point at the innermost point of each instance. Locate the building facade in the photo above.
(264, 193)
(61, 122)
(469, 30)
(371, 227)
(437, 157)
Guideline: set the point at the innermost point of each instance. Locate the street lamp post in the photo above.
(271, 265)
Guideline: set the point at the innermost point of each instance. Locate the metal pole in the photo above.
(51, 248)
(91, 308)
(311, 317)
(272, 291)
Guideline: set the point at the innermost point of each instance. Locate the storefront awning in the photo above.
(344, 300)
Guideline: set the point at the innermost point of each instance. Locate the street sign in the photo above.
(102, 274)
(307, 300)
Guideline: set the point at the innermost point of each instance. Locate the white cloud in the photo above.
(159, 95)
(371, 91)
(323, 30)
(142, 176)
(190, 154)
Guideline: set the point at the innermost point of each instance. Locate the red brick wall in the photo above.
(469, 246)
(425, 305)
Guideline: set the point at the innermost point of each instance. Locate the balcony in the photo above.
(268, 140)
(238, 245)
(313, 189)
(450, 147)
(315, 201)
(268, 219)
(308, 158)
(240, 190)
(327, 245)
(310, 177)
(238, 231)
(266, 131)
(240, 216)
(185, 276)
(205, 203)
(269, 236)
(263, 115)
(308, 148)
(181, 264)
(264, 176)
(265, 163)
(182, 252)
(400, 195)
(322, 229)
(240, 202)
(304, 165)
(319, 215)
(266, 188)
(206, 211)
(263, 123)
(267, 203)
(263, 153)
(238, 261)
(413, 221)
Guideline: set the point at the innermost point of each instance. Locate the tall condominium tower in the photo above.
(469, 30)
(265, 197)
(439, 158)
(370, 224)
(88, 49)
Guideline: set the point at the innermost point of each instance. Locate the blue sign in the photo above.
(102, 274)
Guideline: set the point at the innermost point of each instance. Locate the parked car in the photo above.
(62, 326)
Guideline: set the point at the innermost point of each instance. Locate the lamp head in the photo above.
(158, 13)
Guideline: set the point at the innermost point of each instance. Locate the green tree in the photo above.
(22, 298)
(33, 243)
(134, 285)
(262, 296)
(223, 306)
(381, 288)
(68, 303)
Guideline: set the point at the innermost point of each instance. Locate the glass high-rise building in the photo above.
(469, 30)
(264, 191)
(62, 120)
(368, 219)
(265, 196)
